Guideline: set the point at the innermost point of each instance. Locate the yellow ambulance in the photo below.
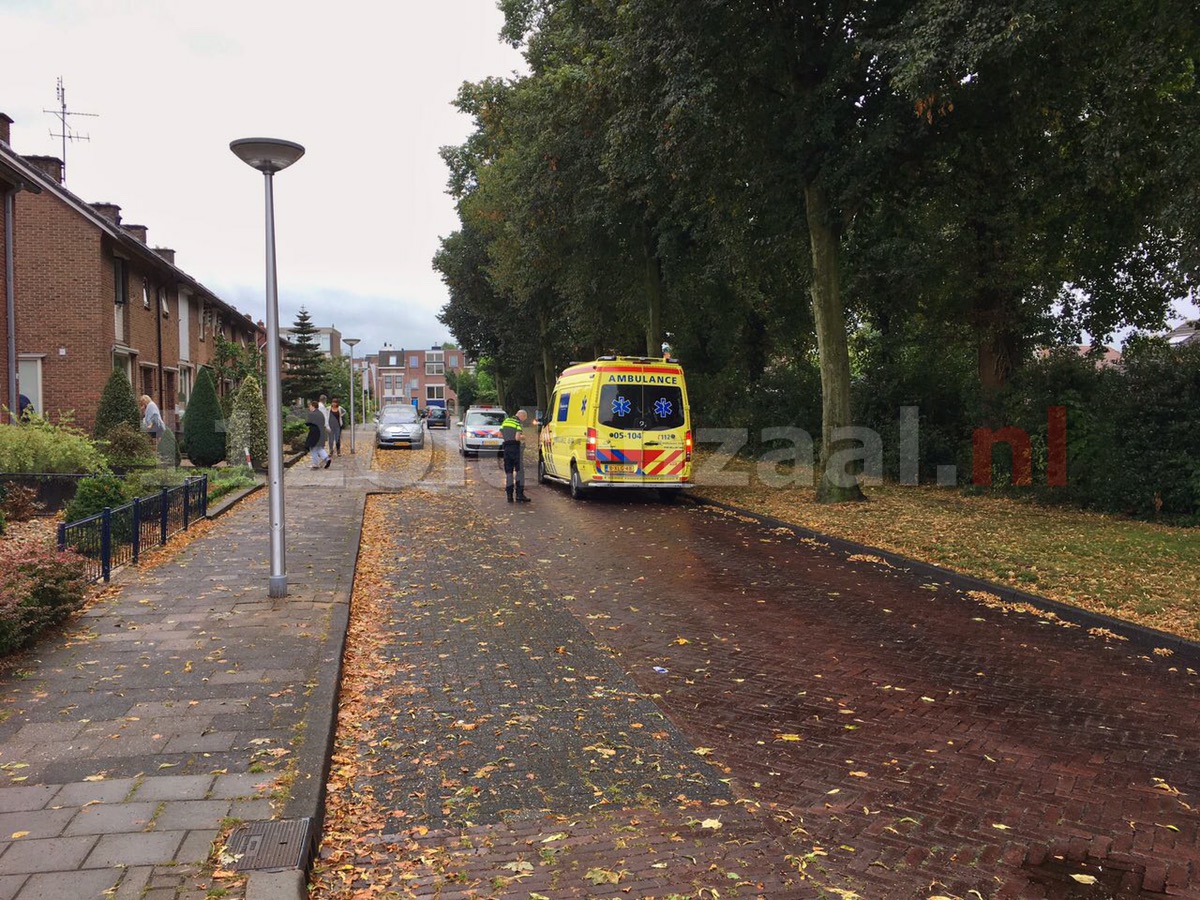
(618, 421)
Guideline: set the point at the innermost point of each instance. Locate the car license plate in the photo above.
(491, 442)
(614, 469)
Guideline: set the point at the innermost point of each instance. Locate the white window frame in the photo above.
(36, 394)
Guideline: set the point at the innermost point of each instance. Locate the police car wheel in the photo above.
(577, 489)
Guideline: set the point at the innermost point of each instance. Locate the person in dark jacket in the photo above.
(315, 442)
(335, 416)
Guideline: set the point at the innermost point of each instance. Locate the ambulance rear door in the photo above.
(643, 425)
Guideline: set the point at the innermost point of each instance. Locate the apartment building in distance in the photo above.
(329, 339)
(85, 293)
(416, 377)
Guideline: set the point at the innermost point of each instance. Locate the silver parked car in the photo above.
(400, 426)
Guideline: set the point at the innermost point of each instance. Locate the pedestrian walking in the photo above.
(315, 442)
(323, 406)
(512, 430)
(336, 419)
(152, 420)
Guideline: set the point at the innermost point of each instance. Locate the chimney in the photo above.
(50, 166)
(166, 253)
(5, 122)
(138, 231)
(110, 212)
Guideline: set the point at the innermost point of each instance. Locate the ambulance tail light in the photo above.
(687, 447)
(591, 444)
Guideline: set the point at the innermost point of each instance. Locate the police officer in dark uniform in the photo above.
(512, 430)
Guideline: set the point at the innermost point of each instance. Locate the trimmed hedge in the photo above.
(248, 427)
(117, 406)
(39, 586)
(204, 423)
(38, 446)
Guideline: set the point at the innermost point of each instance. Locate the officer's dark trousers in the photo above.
(513, 469)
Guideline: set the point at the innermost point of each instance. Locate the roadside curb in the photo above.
(1140, 636)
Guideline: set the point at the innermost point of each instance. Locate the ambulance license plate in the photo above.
(617, 470)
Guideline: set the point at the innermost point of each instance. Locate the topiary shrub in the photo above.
(204, 424)
(127, 446)
(248, 427)
(39, 585)
(36, 445)
(93, 494)
(118, 406)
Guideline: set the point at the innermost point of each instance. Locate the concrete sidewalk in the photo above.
(132, 738)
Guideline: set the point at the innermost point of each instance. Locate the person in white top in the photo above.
(323, 407)
(151, 418)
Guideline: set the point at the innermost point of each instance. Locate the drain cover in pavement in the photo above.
(281, 844)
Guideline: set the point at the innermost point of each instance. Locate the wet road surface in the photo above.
(861, 731)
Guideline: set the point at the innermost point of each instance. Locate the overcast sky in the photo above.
(366, 87)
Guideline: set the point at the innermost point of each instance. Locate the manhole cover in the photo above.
(280, 844)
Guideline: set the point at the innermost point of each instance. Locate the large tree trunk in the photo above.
(830, 318)
(998, 348)
(654, 331)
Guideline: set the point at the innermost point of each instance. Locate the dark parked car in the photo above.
(436, 417)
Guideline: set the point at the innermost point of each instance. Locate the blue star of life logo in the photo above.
(662, 408)
(621, 407)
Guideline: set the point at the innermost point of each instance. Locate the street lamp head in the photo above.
(351, 341)
(266, 154)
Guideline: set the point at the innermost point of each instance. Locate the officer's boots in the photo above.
(509, 492)
(521, 498)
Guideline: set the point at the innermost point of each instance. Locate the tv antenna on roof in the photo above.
(66, 133)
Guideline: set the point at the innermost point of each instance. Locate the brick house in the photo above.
(417, 377)
(89, 295)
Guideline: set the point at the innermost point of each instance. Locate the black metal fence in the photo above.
(117, 537)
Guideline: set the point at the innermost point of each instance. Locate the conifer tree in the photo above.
(248, 427)
(117, 405)
(304, 378)
(203, 423)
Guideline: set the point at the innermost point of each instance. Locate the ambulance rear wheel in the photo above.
(578, 491)
(541, 470)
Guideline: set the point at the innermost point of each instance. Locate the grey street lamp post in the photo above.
(270, 155)
(351, 342)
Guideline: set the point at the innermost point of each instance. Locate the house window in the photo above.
(414, 362)
(391, 359)
(148, 385)
(185, 387)
(435, 392)
(124, 362)
(145, 294)
(162, 303)
(433, 363)
(120, 281)
(185, 315)
(453, 361)
(29, 380)
(387, 383)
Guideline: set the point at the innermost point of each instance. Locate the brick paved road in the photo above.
(878, 734)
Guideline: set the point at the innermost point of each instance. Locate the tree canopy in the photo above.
(784, 189)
